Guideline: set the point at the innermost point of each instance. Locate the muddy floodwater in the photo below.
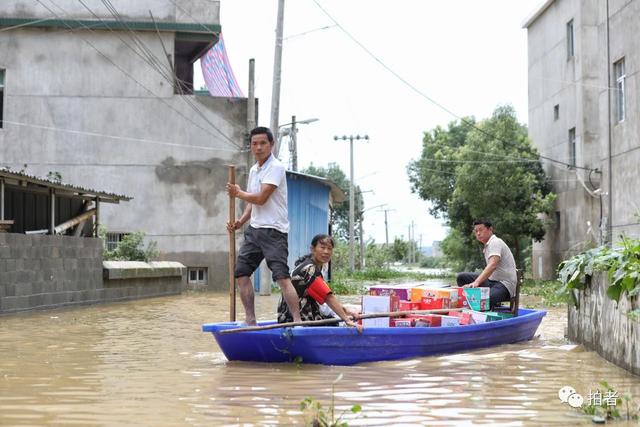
(146, 363)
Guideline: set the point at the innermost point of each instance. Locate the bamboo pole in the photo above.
(323, 322)
(232, 248)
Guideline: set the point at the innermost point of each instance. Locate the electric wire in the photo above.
(424, 95)
(128, 74)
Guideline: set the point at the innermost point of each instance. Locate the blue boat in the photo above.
(345, 346)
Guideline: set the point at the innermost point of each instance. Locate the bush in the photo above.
(131, 248)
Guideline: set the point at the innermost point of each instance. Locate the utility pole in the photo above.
(277, 70)
(409, 244)
(293, 148)
(351, 194)
(413, 239)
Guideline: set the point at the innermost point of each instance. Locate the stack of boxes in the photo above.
(473, 302)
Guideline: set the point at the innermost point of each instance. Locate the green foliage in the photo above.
(462, 251)
(547, 290)
(340, 212)
(54, 176)
(621, 263)
(316, 416)
(377, 256)
(486, 169)
(399, 249)
(130, 248)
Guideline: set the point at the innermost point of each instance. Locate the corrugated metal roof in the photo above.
(337, 195)
(49, 183)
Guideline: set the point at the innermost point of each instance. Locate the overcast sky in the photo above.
(467, 55)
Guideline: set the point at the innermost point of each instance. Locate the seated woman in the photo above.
(311, 288)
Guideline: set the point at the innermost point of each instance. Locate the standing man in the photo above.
(500, 273)
(266, 236)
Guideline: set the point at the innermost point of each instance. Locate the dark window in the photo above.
(572, 146)
(198, 275)
(2, 98)
(570, 39)
(556, 112)
(112, 240)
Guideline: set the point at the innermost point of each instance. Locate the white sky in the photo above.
(468, 55)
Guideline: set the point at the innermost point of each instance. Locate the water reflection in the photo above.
(147, 363)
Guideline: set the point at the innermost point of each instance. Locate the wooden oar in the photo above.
(232, 248)
(336, 320)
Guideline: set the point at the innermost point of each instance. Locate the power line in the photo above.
(130, 76)
(121, 138)
(424, 95)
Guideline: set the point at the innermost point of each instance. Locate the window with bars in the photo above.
(619, 72)
(112, 240)
(197, 275)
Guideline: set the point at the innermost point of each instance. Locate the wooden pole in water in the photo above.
(232, 249)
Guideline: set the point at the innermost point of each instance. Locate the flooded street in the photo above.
(146, 363)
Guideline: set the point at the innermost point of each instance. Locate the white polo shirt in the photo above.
(274, 212)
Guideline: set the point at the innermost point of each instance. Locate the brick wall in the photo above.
(41, 271)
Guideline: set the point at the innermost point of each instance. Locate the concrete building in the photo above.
(103, 97)
(584, 105)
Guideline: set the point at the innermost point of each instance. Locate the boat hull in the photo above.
(345, 346)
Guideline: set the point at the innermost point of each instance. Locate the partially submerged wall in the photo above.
(45, 272)
(602, 325)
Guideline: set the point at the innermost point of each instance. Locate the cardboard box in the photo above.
(465, 317)
(417, 293)
(477, 298)
(378, 304)
(399, 322)
(478, 316)
(408, 306)
(433, 303)
(498, 315)
(462, 298)
(403, 294)
(449, 321)
(426, 320)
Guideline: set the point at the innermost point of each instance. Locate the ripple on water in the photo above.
(147, 363)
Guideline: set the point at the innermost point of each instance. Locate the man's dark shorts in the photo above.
(264, 243)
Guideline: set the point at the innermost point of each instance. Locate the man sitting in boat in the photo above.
(312, 289)
(500, 273)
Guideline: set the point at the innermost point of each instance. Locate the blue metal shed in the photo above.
(310, 199)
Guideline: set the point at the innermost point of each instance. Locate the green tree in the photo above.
(486, 169)
(340, 213)
(399, 249)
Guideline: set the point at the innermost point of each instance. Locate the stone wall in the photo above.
(601, 324)
(45, 272)
(131, 279)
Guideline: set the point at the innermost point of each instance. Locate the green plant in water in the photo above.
(621, 263)
(318, 417)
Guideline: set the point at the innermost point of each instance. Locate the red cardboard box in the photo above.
(427, 320)
(408, 306)
(465, 318)
(434, 303)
